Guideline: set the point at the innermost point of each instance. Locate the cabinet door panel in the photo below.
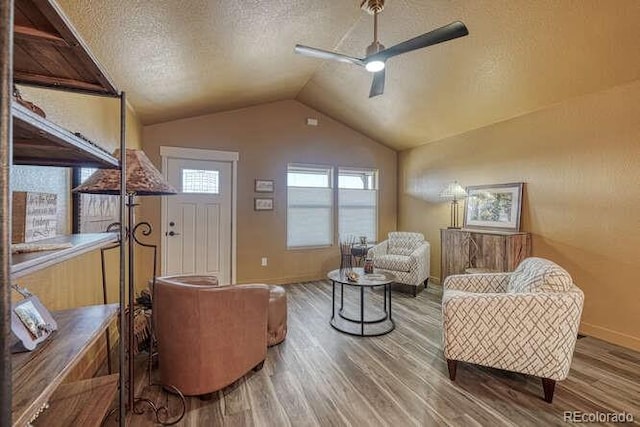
(490, 251)
(495, 252)
(518, 248)
(455, 252)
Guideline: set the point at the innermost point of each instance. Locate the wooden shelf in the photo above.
(37, 141)
(85, 403)
(37, 374)
(48, 52)
(27, 263)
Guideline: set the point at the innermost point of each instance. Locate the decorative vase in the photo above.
(368, 266)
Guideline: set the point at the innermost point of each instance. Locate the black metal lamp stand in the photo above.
(133, 403)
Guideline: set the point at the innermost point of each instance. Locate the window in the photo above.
(200, 181)
(86, 173)
(358, 203)
(309, 206)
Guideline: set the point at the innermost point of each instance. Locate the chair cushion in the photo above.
(394, 262)
(404, 243)
(539, 275)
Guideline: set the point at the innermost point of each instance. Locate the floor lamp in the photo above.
(142, 179)
(455, 193)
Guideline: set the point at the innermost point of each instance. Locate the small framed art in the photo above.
(494, 207)
(264, 186)
(263, 204)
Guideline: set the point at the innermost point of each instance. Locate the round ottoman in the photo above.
(277, 321)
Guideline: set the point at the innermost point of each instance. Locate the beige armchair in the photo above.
(209, 336)
(525, 321)
(406, 255)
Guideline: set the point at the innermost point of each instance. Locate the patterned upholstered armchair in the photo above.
(525, 321)
(406, 255)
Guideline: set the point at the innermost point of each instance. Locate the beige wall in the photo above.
(580, 161)
(268, 137)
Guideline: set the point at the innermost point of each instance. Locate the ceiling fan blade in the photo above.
(325, 54)
(439, 35)
(377, 87)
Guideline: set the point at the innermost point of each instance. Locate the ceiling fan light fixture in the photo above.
(374, 66)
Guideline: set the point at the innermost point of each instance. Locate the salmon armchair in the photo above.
(209, 336)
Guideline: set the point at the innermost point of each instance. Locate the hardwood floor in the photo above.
(321, 377)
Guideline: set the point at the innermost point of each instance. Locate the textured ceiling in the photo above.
(179, 58)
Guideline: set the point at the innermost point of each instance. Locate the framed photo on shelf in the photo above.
(263, 204)
(494, 207)
(31, 324)
(264, 186)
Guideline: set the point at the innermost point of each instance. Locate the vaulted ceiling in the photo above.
(180, 58)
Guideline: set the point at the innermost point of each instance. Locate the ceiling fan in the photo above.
(377, 55)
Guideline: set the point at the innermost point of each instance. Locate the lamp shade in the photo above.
(453, 191)
(143, 179)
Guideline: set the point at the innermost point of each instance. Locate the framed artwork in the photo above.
(260, 204)
(92, 213)
(264, 186)
(494, 207)
(31, 323)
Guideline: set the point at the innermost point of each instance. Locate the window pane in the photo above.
(358, 179)
(358, 203)
(309, 206)
(200, 181)
(308, 179)
(309, 217)
(86, 173)
(358, 213)
(351, 181)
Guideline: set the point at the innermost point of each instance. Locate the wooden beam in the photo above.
(57, 82)
(21, 32)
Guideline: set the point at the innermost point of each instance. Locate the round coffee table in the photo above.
(370, 281)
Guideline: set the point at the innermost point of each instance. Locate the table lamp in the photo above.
(454, 192)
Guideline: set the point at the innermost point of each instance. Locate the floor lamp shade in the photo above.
(143, 179)
(454, 192)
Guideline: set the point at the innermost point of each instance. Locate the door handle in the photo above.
(171, 233)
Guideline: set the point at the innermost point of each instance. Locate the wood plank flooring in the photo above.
(321, 377)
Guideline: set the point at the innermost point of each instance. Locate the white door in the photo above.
(198, 219)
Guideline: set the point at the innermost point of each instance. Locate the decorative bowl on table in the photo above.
(352, 276)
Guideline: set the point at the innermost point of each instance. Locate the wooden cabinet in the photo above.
(46, 51)
(490, 250)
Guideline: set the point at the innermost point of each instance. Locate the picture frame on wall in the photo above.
(494, 207)
(263, 204)
(264, 186)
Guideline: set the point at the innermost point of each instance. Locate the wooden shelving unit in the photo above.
(37, 141)
(27, 263)
(37, 374)
(48, 52)
(86, 402)
(42, 49)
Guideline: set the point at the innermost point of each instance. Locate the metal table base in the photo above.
(361, 321)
